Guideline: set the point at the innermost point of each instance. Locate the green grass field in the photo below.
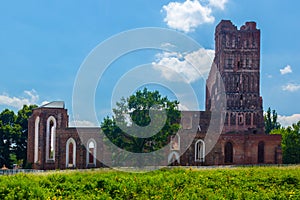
(178, 183)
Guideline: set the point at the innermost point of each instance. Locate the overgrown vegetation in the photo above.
(141, 109)
(13, 136)
(290, 143)
(237, 183)
(290, 137)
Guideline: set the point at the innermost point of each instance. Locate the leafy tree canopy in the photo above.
(13, 135)
(290, 143)
(137, 117)
(270, 119)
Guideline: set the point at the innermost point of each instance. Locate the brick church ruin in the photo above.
(52, 144)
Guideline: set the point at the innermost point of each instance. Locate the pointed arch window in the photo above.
(36, 139)
(51, 137)
(200, 151)
(91, 153)
(70, 153)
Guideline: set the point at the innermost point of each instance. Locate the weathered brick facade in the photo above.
(37, 128)
(233, 92)
(237, 58)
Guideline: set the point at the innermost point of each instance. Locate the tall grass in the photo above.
(178, 183)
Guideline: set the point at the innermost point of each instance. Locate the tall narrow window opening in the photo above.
(261, 152)
(91, 153)
(70, 153)
(36, 139)
(228, 153)
(50, 138)
(200, 151)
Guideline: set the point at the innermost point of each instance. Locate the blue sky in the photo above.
(43, 45)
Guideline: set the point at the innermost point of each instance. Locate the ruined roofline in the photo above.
(227, 25)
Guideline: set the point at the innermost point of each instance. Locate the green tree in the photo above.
(270, 119)
(7, 124)
(290, 143)
(13, 135)
(141, 109)
(21, 133)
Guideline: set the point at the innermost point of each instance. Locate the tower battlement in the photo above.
(237, 58)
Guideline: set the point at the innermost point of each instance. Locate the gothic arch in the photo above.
(50, 138)
(70, 153)
(200, 151)
(241, 118)
(91, 150)
(36, 139)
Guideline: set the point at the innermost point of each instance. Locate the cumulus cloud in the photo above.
(187, 16)
(81, 123)
(191, 66)
(291, 87)
(288, 120)
(220, 4)
(286, 70)
(31, 97)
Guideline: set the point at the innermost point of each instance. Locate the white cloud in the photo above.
(187, 16)
(31, 97)
(286, 70)
(167, 45)
(45, 102)
(291, 87)
(191, 66)
(182, 107)
(82, 123)
(288, 120)
(220, 4)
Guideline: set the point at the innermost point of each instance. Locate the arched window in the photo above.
(261, 152)
(199, 151)
(241, 119)
(226, 119)
(36, 139)
(232, 119)
(91, 153)
(175, 142)
(173, 157)
(50, 140)
(228, 153)
(70, 153)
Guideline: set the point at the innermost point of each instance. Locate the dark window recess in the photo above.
(228, 153)
(261, 152)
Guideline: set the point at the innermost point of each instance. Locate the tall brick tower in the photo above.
(237, 57)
